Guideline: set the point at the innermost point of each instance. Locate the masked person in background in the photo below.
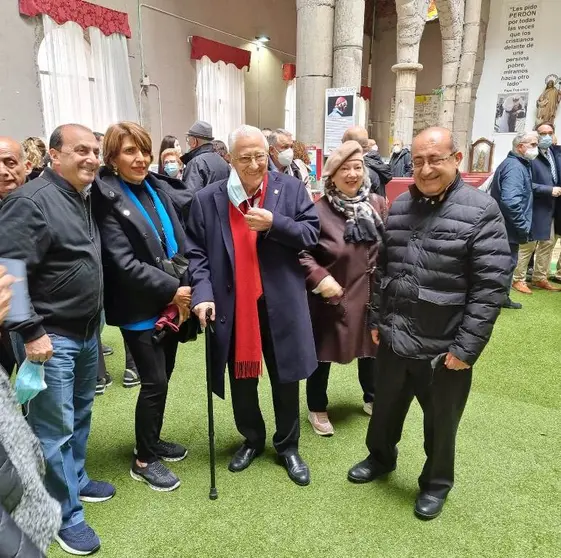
(400, 160)
(171, 162)
(169, 142)
(281, 159)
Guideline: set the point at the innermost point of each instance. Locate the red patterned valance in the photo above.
(288, 72)
(219, 52)
(83, 13)
(365, 92)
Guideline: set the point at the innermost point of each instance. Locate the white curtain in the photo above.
(290, 108)
(220, 96)
(84, 83)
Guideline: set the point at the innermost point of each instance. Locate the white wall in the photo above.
(544, 61)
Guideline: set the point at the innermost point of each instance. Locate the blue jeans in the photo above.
(60, 417)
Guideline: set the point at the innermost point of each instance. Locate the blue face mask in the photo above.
(545, 142)
(236, 193)
(30, 381)
(171, 169)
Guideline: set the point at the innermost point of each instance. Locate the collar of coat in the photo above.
(109, 184)
(190, 155)
(416, 194)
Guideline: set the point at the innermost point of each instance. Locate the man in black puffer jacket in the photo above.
(442, 277)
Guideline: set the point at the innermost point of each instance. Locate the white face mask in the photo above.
(236, 192)
(171, 169)
(397, 149)
(286, 157)
(531, 153)
(374, 148)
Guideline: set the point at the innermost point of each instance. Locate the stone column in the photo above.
(348, 36)
(314, 66)
(405, 86)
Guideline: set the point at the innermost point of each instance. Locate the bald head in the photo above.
(436, 159)
(13, 166)
(357, 133)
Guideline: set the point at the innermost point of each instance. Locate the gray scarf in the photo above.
(364, 224)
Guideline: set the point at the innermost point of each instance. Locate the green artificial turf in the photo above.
(506, 503)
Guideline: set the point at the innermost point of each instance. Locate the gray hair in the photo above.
(274, 136)
(523, 137)
(246, 131)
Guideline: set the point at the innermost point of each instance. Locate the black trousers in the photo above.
(7, 358)
(442, 394)
(245, 399)
(316, 385)
(102, 368)
(155, 363)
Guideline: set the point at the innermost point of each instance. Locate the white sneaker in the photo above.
(320, 423)
(367, 407)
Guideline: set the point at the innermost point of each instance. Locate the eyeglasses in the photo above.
(259, 158)
(432, 162)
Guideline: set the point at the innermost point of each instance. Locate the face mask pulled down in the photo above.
(236, 193)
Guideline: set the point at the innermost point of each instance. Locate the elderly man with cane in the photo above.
(244, 237)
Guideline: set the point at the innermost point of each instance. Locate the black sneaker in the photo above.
(156, 475)
(107, 350)
(100, 387)
(108, 380)
(130, 378)
(511, 305)
(168, 451)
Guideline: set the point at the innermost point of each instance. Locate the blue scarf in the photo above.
(170, 242)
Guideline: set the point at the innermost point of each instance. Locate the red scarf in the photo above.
(248, 289)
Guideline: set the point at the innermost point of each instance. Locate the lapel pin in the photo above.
(126, 212)
(276, 192)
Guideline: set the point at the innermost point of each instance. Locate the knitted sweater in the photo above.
(38, 515)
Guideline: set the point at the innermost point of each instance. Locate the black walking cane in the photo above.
(209, 330)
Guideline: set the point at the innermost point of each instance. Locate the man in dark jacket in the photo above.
(203, 165)
(400, 160)
(441, 279)
(512, 189)
(281, 155)
(378, 171)
(546, 170)
(244, 235)
(52, 230)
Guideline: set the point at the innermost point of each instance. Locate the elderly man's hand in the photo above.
(39, 350)
(556, 191)
(259, 219)
(375, 336)
(200, 311)
(453, 363)
(6, 281)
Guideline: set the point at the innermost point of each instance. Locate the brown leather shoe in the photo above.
(521, 287)
(545, 285)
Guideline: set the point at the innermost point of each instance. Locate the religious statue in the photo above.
(548, 101)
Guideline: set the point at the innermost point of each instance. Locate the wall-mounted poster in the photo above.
(510, 112)
(426, 113)
(340, 114)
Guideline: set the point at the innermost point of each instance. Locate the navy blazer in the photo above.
(210, 251)
(544, 202)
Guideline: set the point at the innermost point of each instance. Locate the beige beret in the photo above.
(346, 151)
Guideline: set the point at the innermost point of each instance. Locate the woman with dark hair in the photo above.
(145, 276)
(169, 142)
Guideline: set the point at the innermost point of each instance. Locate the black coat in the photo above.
(544, 202)
(401, 164)
(14, 543)
(136, 286)
(512, 189)
(442, 274)
(203, 166)
(378, 171)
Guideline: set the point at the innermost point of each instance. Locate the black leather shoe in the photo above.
(297, 470)
(428, 506)
(365, 472)
(242, 459)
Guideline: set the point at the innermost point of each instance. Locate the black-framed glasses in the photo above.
(432, 162)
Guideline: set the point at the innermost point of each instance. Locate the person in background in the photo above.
(546, 171)
(29, 517)
(171, 162)
(244, 236)
(267, 132)
(36, 152)
(378, 171)
(169, 142)
(511, 187)
(441, 279)
(372, 145)
(53, 231)
(281, 156)
(340, 276)
(141, 236)
(222, 149)
(400, 160)
(14, 170)
(203, 165)
(302, 161)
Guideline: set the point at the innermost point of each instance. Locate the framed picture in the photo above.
(481, 156)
